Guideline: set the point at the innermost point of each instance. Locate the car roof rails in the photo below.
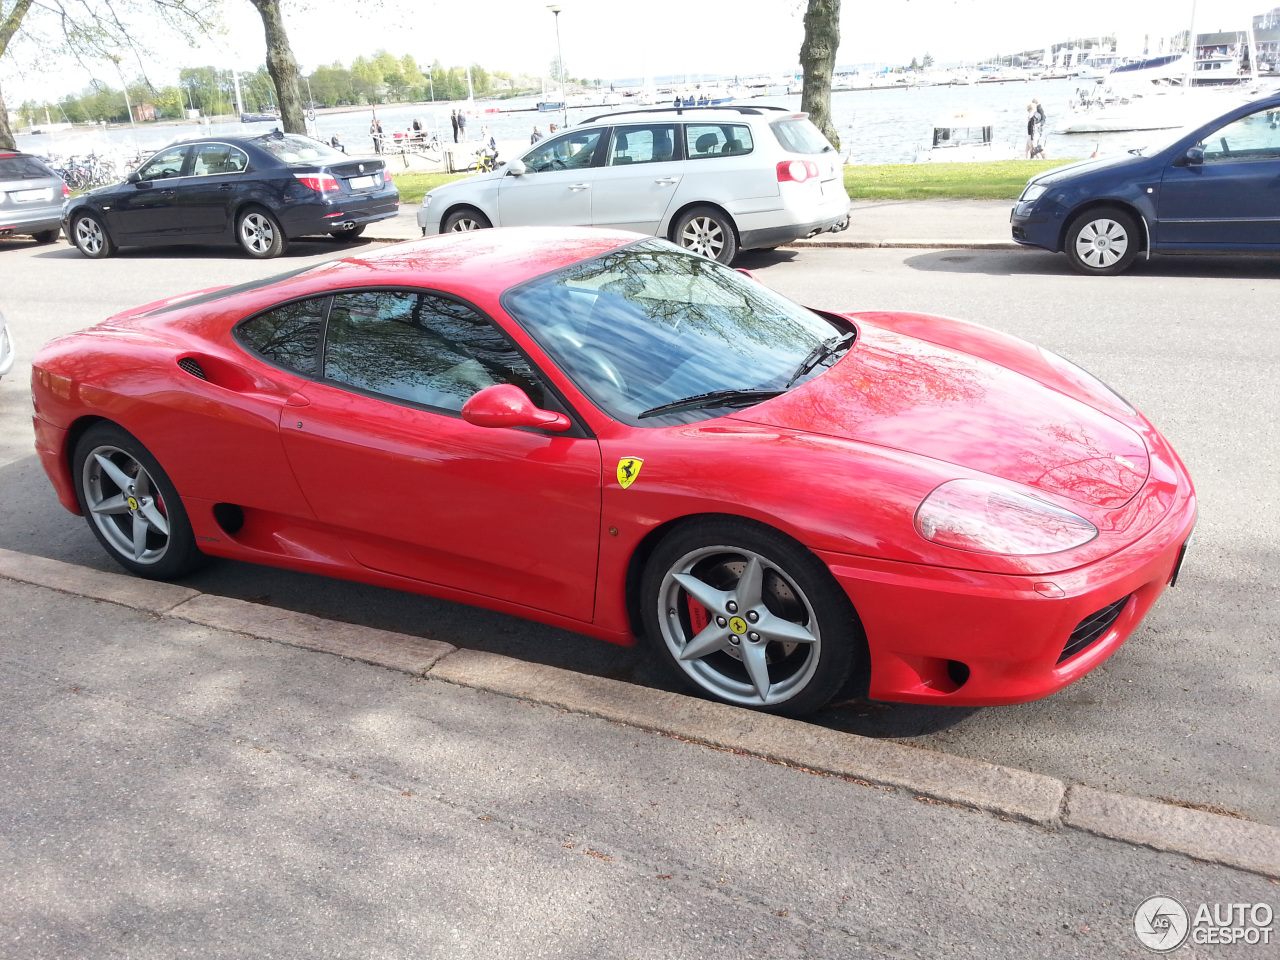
(754, 110)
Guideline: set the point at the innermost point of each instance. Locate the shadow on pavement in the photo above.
(305, 247)
(1005, 263)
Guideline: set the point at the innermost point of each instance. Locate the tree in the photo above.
(818, 61)
(915, 64)
(282, 65)
(927, 62)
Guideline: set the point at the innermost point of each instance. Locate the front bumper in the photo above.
(1034, 227)
(967, 638)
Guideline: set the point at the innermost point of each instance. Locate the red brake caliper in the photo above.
(698, 615)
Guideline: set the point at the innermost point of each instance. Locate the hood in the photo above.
(1058, 174)
(934, 401)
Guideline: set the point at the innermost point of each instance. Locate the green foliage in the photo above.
(927, 62)
(999, 180)
(414, 186)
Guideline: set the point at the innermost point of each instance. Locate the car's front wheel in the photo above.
(707, 231)
(259, 234)
(1102, 241)
(90, 236)
(467, 219)
(132, 506)
(750, 617)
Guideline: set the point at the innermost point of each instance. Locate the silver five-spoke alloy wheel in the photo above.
(257, 232)
(703, 235)
(89, 236)
(125, 505)
(1102, 243)
(465, 223)
(739, 626)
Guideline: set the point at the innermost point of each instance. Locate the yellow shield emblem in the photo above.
(628, 470)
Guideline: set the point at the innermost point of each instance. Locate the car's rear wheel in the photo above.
(91, 237)
(350, 233)
(259, 234)
(467, 219)
(748, 616)
(707, 231)
(1102, 241)
(47, 236)
(132, 506)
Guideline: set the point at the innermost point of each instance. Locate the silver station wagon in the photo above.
(31, 197)
(714, 180)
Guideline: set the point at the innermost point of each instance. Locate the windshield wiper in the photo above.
(716, 398)
(823, 351)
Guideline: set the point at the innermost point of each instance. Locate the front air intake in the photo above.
(1091, 629)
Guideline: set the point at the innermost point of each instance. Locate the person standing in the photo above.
(536, 135)
(375, 131)
(453, 119)
(1031, 129)
(462, 125)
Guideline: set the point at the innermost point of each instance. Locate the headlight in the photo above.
(1086, 381)
(987, 518)
(1032, 191)
(426, 201)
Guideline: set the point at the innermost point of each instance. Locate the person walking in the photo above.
(536, 135)
(453, 119)
(1036, 130)
(462, 125)
(375, 131)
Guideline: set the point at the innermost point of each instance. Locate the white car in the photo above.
(6, 348)
(714, 180)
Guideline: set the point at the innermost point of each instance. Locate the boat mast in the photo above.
(1191, 48)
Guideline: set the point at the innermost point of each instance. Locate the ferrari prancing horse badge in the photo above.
(628, 470)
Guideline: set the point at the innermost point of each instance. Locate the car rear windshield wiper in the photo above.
(716, 398)
(823, 351)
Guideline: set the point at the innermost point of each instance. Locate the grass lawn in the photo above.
(1000, 180)
(414, 186)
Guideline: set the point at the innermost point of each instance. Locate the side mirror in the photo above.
(133, 177)
(506, 405)
(1194, 156)
(515, 168)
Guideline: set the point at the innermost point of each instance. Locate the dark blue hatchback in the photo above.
(1212, 188)
(260, 192)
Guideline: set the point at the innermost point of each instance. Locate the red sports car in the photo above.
(615, 436)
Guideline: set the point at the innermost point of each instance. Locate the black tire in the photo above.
(351, 233)
(47, 236)
(259, 234)
(796, 596)
(468, 218)
(91, 237)
(1103, 241)
(709, 231)
(146, 496)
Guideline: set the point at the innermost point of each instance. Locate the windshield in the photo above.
(295, 149)
(649, 325)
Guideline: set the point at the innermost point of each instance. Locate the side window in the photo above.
(214, 158)
(1255, 137)
(421, 348)
(575, 149)
(165, 164)
(642, 145)
(288, 336)
(717, 140)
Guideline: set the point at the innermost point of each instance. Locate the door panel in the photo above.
(146, 209)
(556, 190)
(204, 201)
(639, 178)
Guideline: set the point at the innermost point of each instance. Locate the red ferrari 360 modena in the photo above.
(615, 436)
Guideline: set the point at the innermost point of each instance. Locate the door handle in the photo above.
(168, 193)
(667, 180)
(579, 186)
(225, 186)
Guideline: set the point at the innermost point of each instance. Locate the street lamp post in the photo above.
(564, 100)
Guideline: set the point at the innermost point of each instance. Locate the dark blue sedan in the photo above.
(1212, 188)
(260, 192)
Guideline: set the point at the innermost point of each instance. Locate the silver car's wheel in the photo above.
(1102, 241)
(259, 234)
(90, 238)
(705, 230)
(463, 220)
(125, 505)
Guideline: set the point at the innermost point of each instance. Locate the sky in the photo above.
(609, 39)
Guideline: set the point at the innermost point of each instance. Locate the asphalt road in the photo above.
(1185, 710)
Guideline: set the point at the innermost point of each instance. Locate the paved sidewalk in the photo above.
(969, 224)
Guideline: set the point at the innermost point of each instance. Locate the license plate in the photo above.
(359, 183)
(27, 196)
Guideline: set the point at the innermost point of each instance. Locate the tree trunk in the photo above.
(818, 60)
(282, 66)
(8, 27)
(7, 141)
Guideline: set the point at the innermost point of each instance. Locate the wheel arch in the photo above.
(459, 205)
(1098, 203)
(670, 232)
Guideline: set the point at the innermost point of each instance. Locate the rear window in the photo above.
(717, 140)
(799, 135)
(294, 149)
(23, 168)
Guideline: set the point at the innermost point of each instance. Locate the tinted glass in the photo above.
(1255, 137)
(421, 348)
(798, 135)
(215, 158)
(23, 168)
(164, 165)
(288, 336)
(717, 140)
(650, 324)
(571, 150)
(643, 145)
(292, 148)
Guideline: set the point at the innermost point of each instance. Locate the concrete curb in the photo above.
(929, 774)
(839, 244)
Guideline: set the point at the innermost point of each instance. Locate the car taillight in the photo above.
(66, 191)
(797, 171)
(386, 175)
(319, 182)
